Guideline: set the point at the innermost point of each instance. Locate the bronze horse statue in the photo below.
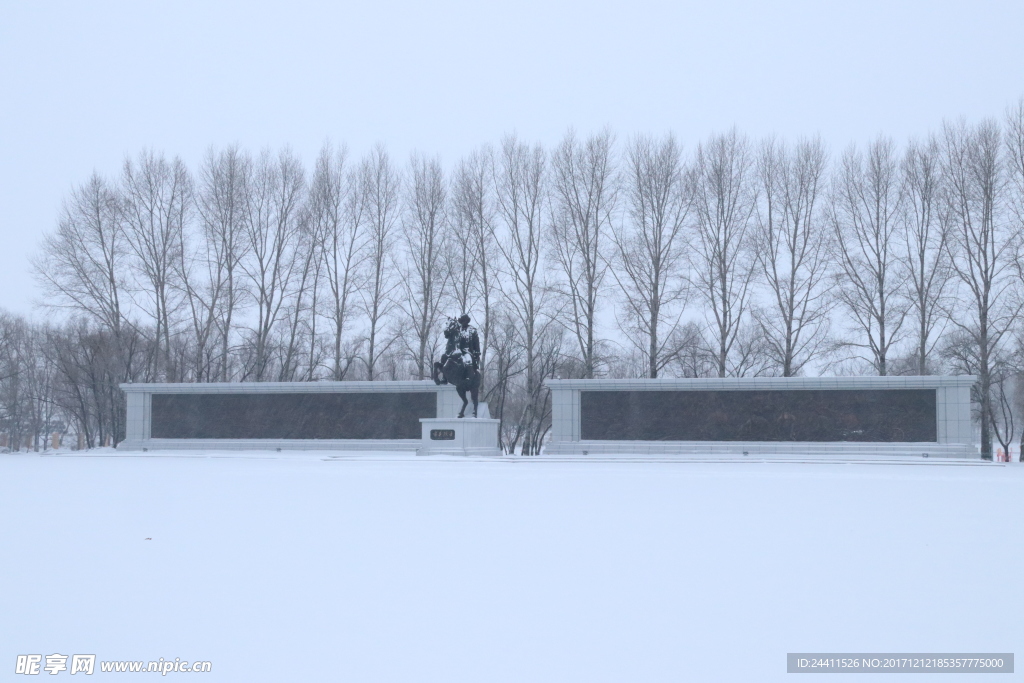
(458, 371)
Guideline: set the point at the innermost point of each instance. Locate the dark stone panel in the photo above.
(888, 415)
(291, 416)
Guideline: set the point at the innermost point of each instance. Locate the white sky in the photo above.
(83, 84)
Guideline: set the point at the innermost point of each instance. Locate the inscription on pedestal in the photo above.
(442, 434)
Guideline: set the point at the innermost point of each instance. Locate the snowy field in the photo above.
(293, 567)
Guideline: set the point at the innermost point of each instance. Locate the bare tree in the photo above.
(1015, 158)
(584, 196)
(301, 347)
(423, 231)
(380, 186)
(649, 250)
(870, 274)
(224, 179)
(25, 385)
(534, 405)
(337, 206)
(520, 185)
(472, 262)
(694, 358)
(791, 241)
(506, 367)
(459, 254)
(195, 275)
(753, 355)
(1003, 413)
(82, 265)
(925, 230)
(981, 251)
(1014, 135)
(157, 207)
(207, 265)
(722, 266)
(272, 232)
(78, 368)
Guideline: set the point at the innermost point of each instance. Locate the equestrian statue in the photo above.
(460, 363)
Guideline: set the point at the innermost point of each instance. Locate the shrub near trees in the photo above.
(628, 258)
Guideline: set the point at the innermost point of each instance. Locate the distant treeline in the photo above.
(599, 257)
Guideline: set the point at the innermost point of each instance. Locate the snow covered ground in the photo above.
(292, 567)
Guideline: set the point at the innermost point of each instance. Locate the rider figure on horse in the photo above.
(459, 365)
(463, 345)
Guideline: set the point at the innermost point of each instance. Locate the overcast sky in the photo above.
(82, 84)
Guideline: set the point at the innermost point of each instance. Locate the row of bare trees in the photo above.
(594, 258)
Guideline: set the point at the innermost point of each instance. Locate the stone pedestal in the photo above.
(459, 436)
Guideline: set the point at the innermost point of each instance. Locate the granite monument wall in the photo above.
(330, 415)
(923, 415)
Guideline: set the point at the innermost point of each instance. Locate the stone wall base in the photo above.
(838, 450)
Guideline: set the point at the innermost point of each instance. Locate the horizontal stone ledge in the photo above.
(361, 387)
(837, 449)
(397, 445)
(763, 383)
